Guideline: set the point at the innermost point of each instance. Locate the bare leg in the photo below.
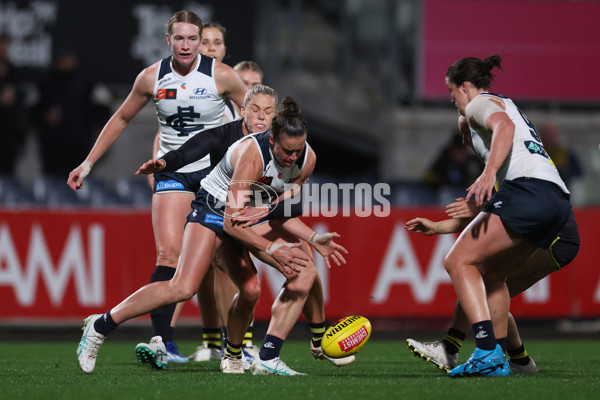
(198, 248)
(244, 275)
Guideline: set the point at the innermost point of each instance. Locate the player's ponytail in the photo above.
(289, 120)
(474, 70)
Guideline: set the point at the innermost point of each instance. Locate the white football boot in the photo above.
(205, 353)
(528, 369)
(89, 345)
(154, 353)
(272, 367)
(317, 353)
(231, 365)
(434, 352)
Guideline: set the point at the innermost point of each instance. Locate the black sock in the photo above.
(105, 324)
(484, 335)
(233, 350)
(502, 343)
(212, 338)
(453, 340)
(162, 316)
(519, 356)
(317, 330)
(271, 347)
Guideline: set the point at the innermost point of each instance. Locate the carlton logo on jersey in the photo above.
(166, 94)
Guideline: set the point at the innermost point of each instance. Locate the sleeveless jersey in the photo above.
(527, 157)
(274, 176)
(186, 105)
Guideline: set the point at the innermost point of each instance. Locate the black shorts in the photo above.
(188, 182)
(207, 211)
(531, 208)
(566, 245)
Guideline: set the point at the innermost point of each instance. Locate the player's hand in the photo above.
(151, 166)
(249, 216)
(462, 209)
(481, 190)
(289, 256)
(421, 225)
(76, 177)
(329, 249)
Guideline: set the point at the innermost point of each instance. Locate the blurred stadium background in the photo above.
(369, 76)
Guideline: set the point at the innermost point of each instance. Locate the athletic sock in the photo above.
(519, 356)
(270, 348)
(248, 336)
(502, 343)
(484, 335)
(211, 337)
(233, 350)
(317, 330)
(453, 340)
(162, 316)
(105, 324)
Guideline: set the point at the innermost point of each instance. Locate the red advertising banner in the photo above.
(540, 42)
(57, 265)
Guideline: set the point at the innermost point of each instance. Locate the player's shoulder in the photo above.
(481, 103)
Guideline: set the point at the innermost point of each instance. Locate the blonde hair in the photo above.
(184, 16)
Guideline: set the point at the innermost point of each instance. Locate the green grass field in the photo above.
(569, 369)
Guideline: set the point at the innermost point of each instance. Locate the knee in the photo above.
(250, 290)
(168, 255)
(182, 291)
(450, 263)
(303, 282)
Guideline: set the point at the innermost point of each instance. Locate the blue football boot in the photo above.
(483, 363)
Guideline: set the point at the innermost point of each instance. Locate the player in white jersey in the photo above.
(527, 212)
(203, 234)
(187, 90)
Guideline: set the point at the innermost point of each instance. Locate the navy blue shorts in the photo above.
(566, 245)
(179, 181)
(531, 208)
(207, 211)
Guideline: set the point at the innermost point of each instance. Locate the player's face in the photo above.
(212, 43)
(287, 149)
(258, 116)
(458, 96)
(250, 78)
(184, 41)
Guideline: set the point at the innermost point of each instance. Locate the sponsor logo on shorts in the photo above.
(498, 204)
(213, 219)
(168, 185)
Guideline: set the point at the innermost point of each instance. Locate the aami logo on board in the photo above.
(24, 277)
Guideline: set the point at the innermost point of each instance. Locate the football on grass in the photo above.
(346, 337)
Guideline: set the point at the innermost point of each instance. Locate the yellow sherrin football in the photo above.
(346, 337)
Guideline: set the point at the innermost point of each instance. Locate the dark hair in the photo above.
(184, 16)
(289, 120)
(218, 26)
(474, 70)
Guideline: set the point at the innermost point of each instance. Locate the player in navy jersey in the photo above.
(204, 232)
(258, 110)
(527, 212)
(188, 91)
